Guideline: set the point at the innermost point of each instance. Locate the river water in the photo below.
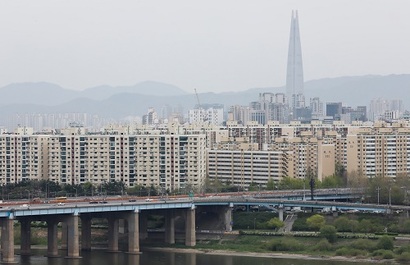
(98, 257)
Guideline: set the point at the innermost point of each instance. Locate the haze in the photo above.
(211, 45)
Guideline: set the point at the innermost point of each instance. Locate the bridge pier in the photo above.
(170, 227)
(280, 210)
(143, 225)
(52, 247)
(73, 246)
(25, 232)
(85, 233)
(228, 218)
(190, 236)
(113, 225)
(133, 233)
(63, 244)
(7, 240)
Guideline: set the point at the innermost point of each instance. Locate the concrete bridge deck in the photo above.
(133, 216)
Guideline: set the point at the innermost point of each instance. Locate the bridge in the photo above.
(133, 218)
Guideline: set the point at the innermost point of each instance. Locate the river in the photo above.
(99, 257)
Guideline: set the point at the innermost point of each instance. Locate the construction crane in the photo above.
(201, 112)
(197, 98)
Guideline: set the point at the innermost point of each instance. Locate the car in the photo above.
(132, 200)
(148, 199)
(60, 204)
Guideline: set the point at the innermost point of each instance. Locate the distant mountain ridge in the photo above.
(121, 101)
(43, 93)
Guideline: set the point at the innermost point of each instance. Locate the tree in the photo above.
(385, 242)
(288, 183)
(328, 232)
(365, 226)
(354, 225)
(274, 223)
(331, 182)
(343, 224)
(341, 173)
(316, 221)
(271, 184)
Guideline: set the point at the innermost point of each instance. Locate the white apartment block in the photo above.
(384, 152)
(181, 157)
(22, 158)
(242, 168)
(212, 116)
(165, 161)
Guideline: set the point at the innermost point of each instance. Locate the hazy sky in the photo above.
(210, 45)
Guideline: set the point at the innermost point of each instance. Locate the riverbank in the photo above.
(266, 255)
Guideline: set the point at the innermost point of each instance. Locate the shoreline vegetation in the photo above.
(278, 255)
(315, 248)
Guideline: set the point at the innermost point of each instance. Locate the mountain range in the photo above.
(122, 101)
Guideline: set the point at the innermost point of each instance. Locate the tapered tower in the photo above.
(294, 77)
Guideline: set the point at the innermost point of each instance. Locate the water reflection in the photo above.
(98, 257)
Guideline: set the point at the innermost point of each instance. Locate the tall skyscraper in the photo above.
(294, 78)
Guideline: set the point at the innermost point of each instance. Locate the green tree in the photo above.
(365, 226)
(331, 182)
(405, 227)
(328, 232)
(274, 223)
(271, 184)
(315, 221)
(385, 242)
(343, 224)
(354, 225)
(288, 183)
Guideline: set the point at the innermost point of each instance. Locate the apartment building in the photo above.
(21, 158)
(180, 157)
(166, 161)
(242, 168)
(379, 151)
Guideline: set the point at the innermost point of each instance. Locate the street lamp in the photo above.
(75, 192)
(304, 187)
(390, 196)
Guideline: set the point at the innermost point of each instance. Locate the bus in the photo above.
(59, 200)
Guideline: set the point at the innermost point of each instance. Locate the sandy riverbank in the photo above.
(266, 255)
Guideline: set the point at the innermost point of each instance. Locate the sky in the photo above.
(210, 45)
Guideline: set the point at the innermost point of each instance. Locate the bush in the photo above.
(383, 254)
(364, 244)
(350, 252)
(285, 244)
(385, 242)
(403, 249)
(405, 227)
(404, 257)
(323, 245)
(328, 232)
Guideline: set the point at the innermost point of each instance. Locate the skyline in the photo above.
(211, 46)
